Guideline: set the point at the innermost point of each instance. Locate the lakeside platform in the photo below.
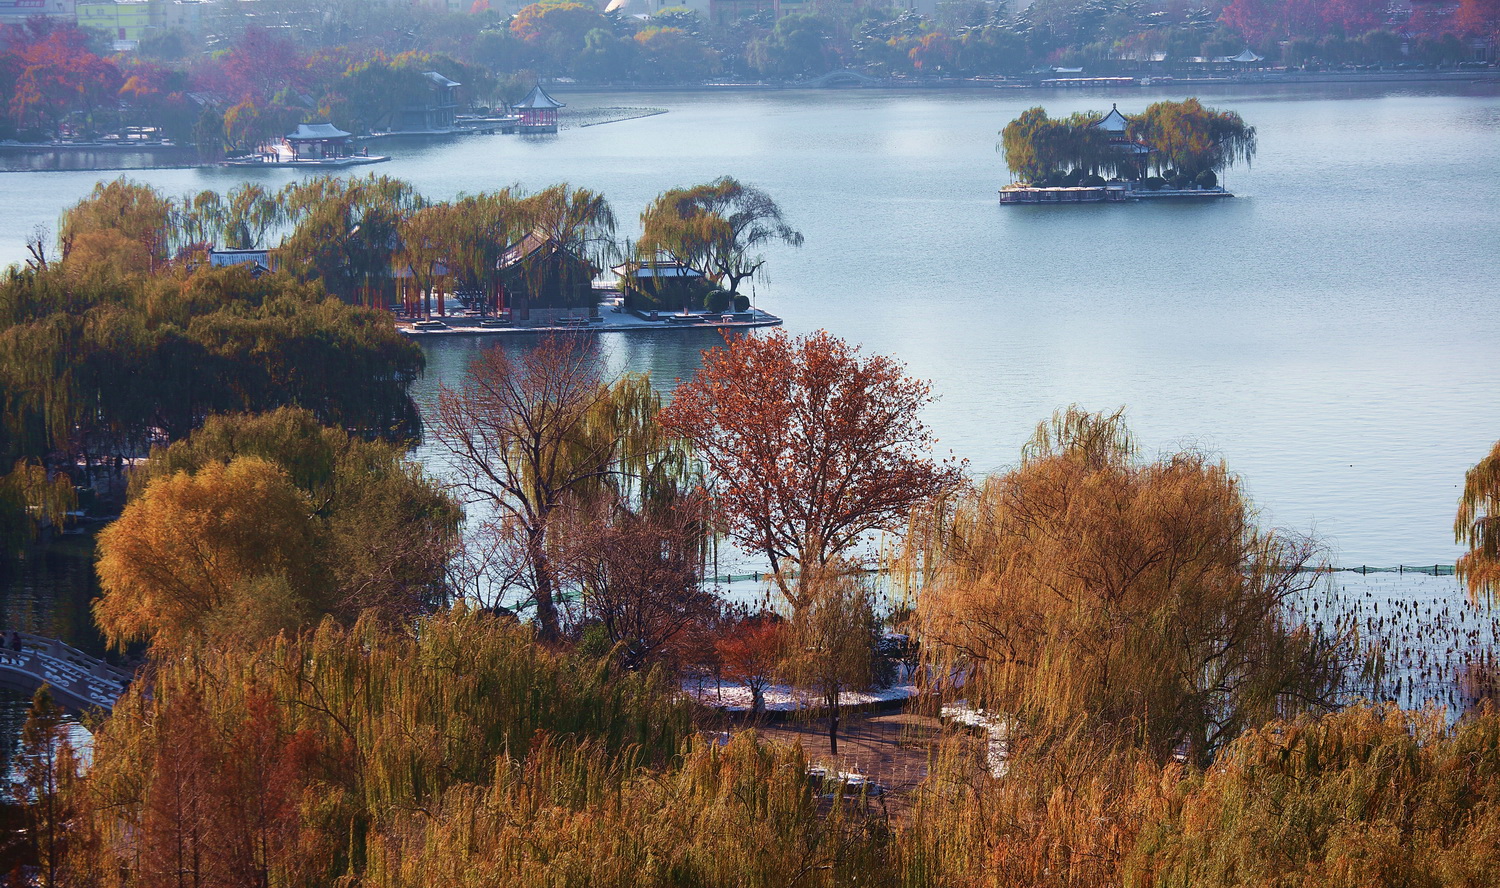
(1025, 194)
(610, 320)
(320, 163)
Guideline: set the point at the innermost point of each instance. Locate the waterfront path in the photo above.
(78, 681)
(609, 321)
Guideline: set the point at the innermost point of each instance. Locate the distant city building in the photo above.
(16, 12)
(120, 19)
(131, 20)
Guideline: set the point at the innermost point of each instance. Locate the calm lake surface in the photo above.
(1331, 333)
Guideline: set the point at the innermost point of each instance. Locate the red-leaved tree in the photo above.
(810, 446)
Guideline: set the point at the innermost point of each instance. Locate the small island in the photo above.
(1172, 150)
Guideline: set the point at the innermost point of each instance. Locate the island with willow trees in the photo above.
(1170, 150)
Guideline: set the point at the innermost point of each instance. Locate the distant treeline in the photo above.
(121, 343)
(359, 66)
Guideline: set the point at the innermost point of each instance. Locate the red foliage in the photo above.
(260, 65)
(751, 652)
(811, 447)
(1480, 18)
(1259, 20)
(56, 74)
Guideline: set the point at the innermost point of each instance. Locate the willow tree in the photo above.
(1192, 139)
(119, 213)
(424, 251)
(482, 227)
(1035, 144)
(719, 229)
(571, 220)
(1088, 593)
(534, 438)
(345, 233)
(1477, 526)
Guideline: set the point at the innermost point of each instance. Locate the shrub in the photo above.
(1207, 179)
(1092, 181)
(717, 300)
(741, 302)
(1072, 178)
(1180, 181)
(1154, 183)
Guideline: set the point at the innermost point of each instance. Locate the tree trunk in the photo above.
(541, 572)
(833, 721)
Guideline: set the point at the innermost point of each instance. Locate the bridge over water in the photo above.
(78, 681)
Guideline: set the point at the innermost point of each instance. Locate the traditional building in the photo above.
(661, 285)
(538, 112)
(318, 141)
(543, 281)
(436, 111)
(1117, 128)
(259, 261)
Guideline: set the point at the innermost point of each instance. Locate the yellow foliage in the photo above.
(225, 552)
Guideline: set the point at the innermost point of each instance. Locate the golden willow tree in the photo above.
(1036, 144)
(1478, 527)
(459, 753)
(261, 523)
(1184, 137)
(1191, 139)
(718, 229)
(1090, 594)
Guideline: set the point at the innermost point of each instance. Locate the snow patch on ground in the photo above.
(992, 723)
(785, 698)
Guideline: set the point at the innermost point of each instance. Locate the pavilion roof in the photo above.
(1114, 121)
(312, 132)
(1247, 55)
(439, 79)
(538, 98)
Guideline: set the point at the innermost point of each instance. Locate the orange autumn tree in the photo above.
(1478, 527)
(223, 552)
(751, 652)
(811, 447)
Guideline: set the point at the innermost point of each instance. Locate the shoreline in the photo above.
(612, 321)
(175, 157)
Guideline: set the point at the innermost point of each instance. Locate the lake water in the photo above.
(1332, 332)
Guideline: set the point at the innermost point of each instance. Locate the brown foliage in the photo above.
(810, 446)
(1136, 602)
(1477, 526)
(225, 552)
(639, 575)
(537, 437)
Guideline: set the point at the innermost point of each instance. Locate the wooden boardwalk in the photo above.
(78, 681)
